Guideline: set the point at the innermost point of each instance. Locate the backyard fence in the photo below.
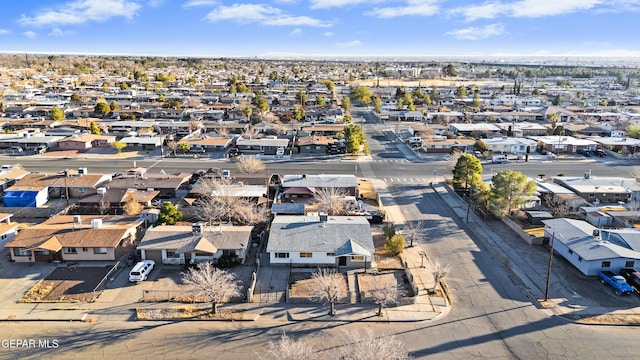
(103, 283)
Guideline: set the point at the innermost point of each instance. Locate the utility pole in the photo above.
(546, 291)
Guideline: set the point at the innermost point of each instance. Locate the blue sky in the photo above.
(323, 27)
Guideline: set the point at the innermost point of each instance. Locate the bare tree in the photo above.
(223, 132)
(250, 133)
(414, 231)
(331, 201)
(104, 207)
(328, 285)
(557, 206)
(132, 206)
(215, 284)
(385, 295)
(368, 346)
(440, 271)
(194, 124)
(250, 165)
(218, 203)
(290, 349)
(173, 145)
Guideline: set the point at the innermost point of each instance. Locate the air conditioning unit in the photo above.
(82, 171)
(101, 191)
(96, 223)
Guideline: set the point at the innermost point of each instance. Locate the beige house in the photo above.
(76, 238)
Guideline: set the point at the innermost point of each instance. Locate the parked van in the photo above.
(141, 270)
(500, 159)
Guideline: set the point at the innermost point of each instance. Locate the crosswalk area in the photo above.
(390, 161)
(403, 180)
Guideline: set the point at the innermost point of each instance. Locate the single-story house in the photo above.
(167, 184)
(564, 144)
(601, 189)
(8, 229)
(194, 244)
(306, 185)
(86, 141)
(592, 250)
(76, 238)
(299, 240)
(267, 146)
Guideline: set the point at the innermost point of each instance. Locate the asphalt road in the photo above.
(492, 317)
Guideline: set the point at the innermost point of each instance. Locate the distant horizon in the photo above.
(323, 28)
(635, 61)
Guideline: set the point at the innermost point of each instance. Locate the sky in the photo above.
(321, 28)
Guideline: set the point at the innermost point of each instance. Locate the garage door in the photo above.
(155, 255)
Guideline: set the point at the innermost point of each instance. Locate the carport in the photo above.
(348, 254)
(50, 250)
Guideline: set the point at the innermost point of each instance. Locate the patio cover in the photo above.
(300, 191)
(201, 244)
(351, 248)
(51, 244)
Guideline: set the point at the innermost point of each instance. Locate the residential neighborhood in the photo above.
(280, 173)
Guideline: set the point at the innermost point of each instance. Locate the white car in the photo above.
(141, 270)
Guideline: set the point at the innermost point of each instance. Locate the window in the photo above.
(85, 249)
(21, 252)
(570, 251)
(4, 236)
(282, 255)
(228, 253)
(172, 254)
(592, 195)
(82, 189)
(331, 254)
(606, 264)
(70, 250)
(629, 264)
(100, 250)
(306, 255)
(202, 254)
(616, 195)
(357, 258)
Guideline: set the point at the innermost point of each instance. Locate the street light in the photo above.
(422, 256)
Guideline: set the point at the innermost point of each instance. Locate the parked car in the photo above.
(500, 159)
(617, 282)
(141, 270)
(632, 276)
(600, 153)
(196, 149)
(233, 152)
(584, 153)
(15, 149)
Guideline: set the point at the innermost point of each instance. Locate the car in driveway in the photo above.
(141, 270)
(16, 150)
(584, 153)
(600, 153)
(632, 276)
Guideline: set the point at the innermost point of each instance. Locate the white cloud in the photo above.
(328, 34)
(82, 11)
(349, 44)
(488, 10)
(477, 33)
(195, 3)
(296, 32)
(4, 31)
(540, 8)
(58, 32)
(328, 4)
(262, 14)
(411, 8)
(30, 34)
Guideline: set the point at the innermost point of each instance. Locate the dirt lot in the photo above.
(168, 285)
(302, 285)
(67, 285)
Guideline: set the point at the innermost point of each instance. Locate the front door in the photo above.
(342, 261)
